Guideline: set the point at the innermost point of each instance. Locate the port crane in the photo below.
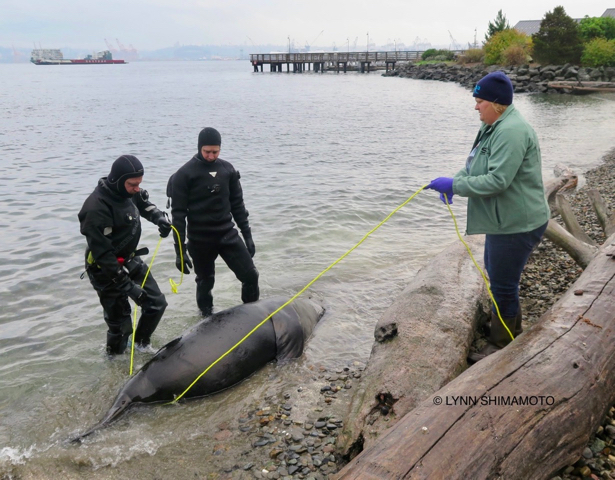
(110, 47)
(16, 54)
(454, 44)
(309, 45)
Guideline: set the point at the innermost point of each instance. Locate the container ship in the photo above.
(44, 56)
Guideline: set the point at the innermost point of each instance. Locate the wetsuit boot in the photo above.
(117, 342)
(204, 299)
(498, 337)
(151, 314)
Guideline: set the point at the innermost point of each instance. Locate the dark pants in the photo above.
(235, 254)
(505, 257)
(116, 309)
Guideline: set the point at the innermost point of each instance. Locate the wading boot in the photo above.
(498, 337)
(117, 342)
(518, 327)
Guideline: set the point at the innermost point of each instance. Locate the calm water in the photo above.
(323, 159)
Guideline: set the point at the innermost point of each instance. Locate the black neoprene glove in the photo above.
(178, 259)
(130, 288)
(164, 226)
(247, 237)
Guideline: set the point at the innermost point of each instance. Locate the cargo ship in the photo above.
(47, 56)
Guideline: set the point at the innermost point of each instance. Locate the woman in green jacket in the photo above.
(502, 179)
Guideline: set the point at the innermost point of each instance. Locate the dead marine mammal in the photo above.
(180, 362)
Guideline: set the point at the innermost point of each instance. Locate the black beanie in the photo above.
(209, 136)
(495, 87)
(125, 167)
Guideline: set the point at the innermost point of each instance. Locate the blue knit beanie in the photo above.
(495, 87)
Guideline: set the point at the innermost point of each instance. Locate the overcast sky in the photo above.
(153, 24)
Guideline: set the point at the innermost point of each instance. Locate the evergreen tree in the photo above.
(498, 25)
(558, 39)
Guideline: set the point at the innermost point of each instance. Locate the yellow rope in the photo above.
(181, 257)
(329, 268)
(497, 309)
(299, 293)
(134, 321)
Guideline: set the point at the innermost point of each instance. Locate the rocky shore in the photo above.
(292, 434)
(525, 78)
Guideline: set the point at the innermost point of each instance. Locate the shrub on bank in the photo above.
(439, 55)
(472, 55)
(515, 55)
(595, 27)
(502, 41)
(599, 52)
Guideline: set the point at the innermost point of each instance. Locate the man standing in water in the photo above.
(206, 194)
(110, 222)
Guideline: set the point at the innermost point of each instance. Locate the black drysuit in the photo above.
(207, 196)
(112, 226)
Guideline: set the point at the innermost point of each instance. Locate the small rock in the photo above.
(585, 471)
(597, 446)
(274, 453)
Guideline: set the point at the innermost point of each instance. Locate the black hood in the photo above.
(125, 167)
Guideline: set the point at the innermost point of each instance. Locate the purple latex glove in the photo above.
(444, 185)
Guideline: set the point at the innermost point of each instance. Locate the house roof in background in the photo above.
(530, 27)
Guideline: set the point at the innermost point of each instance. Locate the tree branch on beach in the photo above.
(572, 238)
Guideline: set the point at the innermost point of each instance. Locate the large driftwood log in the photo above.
(565, 364)
(421, 343)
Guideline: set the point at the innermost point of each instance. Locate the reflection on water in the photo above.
(323, 159)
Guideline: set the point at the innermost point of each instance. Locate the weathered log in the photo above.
(564, 367)
(607, 222)
(581, 252)
(570, 220)
(422, 342)
(565, 179)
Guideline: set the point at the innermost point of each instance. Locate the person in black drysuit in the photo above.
(206, 193)
(110, 221)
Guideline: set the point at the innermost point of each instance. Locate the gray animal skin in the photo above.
(176, 365)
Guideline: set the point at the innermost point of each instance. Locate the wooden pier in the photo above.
(334, 61)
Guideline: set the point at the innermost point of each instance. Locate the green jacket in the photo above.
(504, 182)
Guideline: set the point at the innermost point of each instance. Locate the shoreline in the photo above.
(525, 78)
